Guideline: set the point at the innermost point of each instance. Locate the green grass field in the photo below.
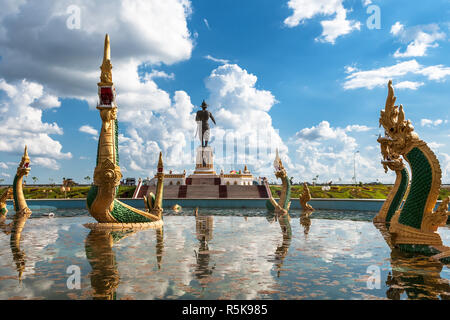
(347, 192)
(31, 192)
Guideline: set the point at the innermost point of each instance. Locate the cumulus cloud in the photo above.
(332, 29)
(45, 51)
(22, 122)
(89, 130)
(396, 28)
(330, 152)
(241, 111)
(419, 39)
(429, 123)
(380, 76)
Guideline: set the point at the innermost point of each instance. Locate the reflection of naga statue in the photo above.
(204, 226)
(305, 197)
(282, 250)
(414, 226)
(283, 204)
(22, 213)
(101, 200)
(305, 221)
(99, 251)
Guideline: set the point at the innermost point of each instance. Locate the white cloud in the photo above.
(413, 85)
(332, 29)
(429, 123)
(419, 39)
(339, 26)
(89, 130)
(379, 77)
(357, 128)
(151, 32)
(241, 111)
(223, 61)
(438, 72)
(142, 33)
(45, 162)
(330, 152)
(435, 145)
(396, 28)
(22, 122)
(206, 23)
(159, 74)
(3, 165)
(6, 175)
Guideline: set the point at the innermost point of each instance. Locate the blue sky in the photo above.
(311, 74)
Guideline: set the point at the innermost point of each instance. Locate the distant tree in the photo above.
(1, 180)
(35, 179)
(87, 178)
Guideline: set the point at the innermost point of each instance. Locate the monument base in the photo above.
(204, 161)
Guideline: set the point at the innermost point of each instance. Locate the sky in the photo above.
(306, 77)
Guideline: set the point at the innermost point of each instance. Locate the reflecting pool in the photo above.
(221, 254)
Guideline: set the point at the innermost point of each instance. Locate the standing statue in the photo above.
(202, 118)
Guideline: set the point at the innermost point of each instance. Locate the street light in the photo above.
(354, 165)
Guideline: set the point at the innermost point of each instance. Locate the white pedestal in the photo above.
(204, 163)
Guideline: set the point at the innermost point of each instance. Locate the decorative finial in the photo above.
(160, 163)
(106, 67)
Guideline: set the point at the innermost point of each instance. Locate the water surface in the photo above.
(223, 254)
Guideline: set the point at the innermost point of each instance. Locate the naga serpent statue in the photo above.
(22, 213)
(284, 203)
(398, 192)
(304, 198)
(414, 226)
(3, 198)
(101, 200)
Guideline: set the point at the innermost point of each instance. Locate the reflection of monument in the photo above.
(204, 232)
(204, 182)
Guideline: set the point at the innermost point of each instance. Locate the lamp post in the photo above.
(354, 165)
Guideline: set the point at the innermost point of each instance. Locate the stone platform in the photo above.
(207, 191)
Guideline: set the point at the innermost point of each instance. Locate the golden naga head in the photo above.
(280, 172)
(398, 131)
(23, 169)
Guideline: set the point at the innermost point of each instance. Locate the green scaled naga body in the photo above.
(413, 227)
(284, 203)
(101, 200)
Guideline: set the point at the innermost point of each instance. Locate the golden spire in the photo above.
(106, 67)
(25, 153)
(160, 162)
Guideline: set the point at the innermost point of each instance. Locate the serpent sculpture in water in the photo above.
(101, 200)
(414, 225)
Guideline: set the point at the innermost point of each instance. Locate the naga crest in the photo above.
(398, 131)
(23, 169)
(280, 172)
